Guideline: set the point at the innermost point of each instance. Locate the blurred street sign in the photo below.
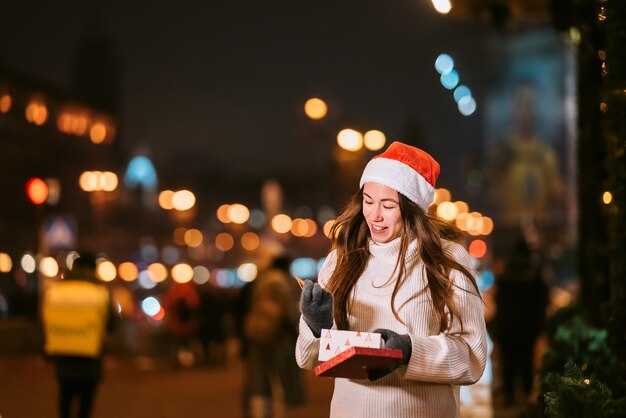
(59, 233)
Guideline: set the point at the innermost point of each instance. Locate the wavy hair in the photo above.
(350, 237)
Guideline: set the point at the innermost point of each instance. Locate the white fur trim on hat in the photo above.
(400, 177)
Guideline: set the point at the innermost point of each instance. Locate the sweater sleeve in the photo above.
(451, 357)
(307, 346)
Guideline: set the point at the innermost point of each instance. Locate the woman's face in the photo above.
(381, 209)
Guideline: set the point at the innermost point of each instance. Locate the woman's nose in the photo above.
(376, 214)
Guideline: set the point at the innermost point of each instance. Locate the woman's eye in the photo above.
(389, 207)
(368, 203)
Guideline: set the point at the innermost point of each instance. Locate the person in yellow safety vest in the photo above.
(76, 315)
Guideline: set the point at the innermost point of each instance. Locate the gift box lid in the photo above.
(357, 362)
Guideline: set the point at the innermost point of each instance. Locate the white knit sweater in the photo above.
(428, 386)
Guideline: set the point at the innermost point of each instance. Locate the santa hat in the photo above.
(409, 170)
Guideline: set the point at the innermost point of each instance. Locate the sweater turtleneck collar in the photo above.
(388, 251)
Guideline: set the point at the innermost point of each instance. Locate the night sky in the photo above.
(222, 84)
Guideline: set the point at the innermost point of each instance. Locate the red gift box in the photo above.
(357, 362)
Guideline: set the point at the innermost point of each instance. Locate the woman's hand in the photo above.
(316, 306)
(393, 340)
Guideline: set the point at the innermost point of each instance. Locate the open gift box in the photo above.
(353, 354)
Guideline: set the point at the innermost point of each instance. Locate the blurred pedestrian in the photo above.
(76, 315)
(211, 332)
(181, 303)
(273, 381)
(394, 270)
(521, 301)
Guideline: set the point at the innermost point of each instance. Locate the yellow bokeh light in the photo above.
(607, 198)
(441, 195)
(312, 228)
(461, 221)
(88, 181)
(461, 206)
(374, 140)
(224, 241)
(183, 200)
(299, 227)
(447, 211)
(49, 267)
(315, 108)
(165, 199)
(281, 223)
(157, 272)
(106, 271)
(5, 263)
(474, 223)
(128, 271)
(350, 140)
(182, 273)
(36, 112)
(193, 237)
(238, 213)
(222, 214)
(250, 241)
(328, 226)
(98, 133)
(108, 181)
(487, 226)
(5, 103)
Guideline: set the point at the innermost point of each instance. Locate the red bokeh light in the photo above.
(37, 190)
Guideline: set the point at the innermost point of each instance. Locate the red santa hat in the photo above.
(409, 170)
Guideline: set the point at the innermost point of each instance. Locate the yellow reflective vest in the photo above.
(75, 315)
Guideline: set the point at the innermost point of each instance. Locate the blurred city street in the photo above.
(142, 387)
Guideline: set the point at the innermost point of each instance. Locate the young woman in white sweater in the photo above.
(392, 270)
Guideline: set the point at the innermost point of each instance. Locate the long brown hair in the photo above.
(350, 236)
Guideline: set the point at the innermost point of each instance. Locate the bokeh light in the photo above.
(128, 271)
(182, 273)
(106, 271)
(450, 80)
(350, 140)
(49, 267)
(250, 241)
(281, 223)
(157, 272)
(224, 241)
(315, 108)
(247, 272)
(477, 248)
(238, 213)
(444, 64)
(374, 140)
(6, 264)
(28, 263)
(37, 190)
(183, 200)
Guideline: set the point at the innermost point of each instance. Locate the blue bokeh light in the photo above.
(460, 92)
(450, 80)
(444, 64)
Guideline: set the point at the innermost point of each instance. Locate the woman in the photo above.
(393, 272)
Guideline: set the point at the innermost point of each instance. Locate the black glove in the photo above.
(393, 340)
(316, 305)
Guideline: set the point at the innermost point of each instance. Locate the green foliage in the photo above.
(573, 395)
(582, 376)
(575, 341)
